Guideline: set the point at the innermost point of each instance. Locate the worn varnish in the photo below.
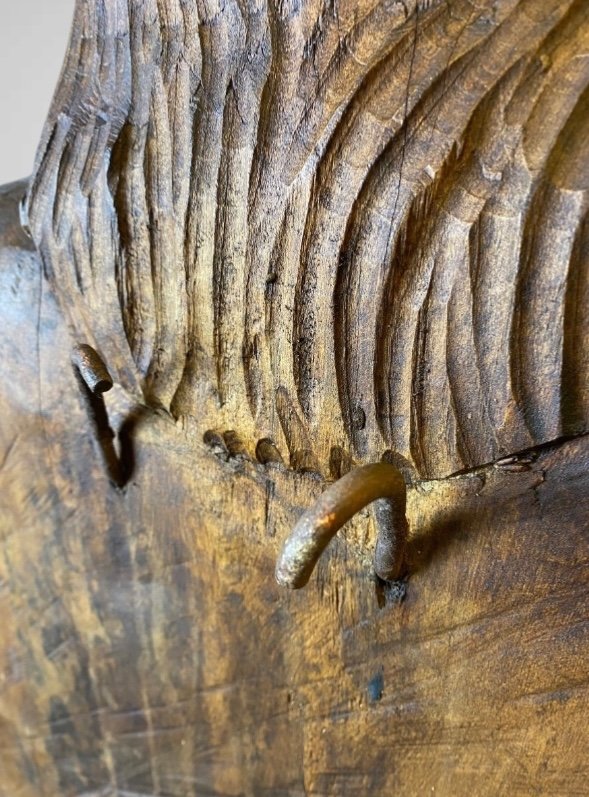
(302, 237)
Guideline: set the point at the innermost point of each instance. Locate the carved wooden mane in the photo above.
(380, 208)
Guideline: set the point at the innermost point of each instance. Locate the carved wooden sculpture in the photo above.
(299, 237)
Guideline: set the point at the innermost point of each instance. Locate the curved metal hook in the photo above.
(340, 502)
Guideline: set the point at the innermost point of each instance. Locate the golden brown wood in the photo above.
(314, 234)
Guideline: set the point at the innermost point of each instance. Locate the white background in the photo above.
(33, 39)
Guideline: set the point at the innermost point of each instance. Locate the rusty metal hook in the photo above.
(92, 369)
(338, 504)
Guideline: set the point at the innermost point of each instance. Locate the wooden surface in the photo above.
(354, 229)
(377, 208)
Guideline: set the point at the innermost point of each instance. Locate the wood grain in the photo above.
(301, 236)
(377, 208)
(146, 648)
